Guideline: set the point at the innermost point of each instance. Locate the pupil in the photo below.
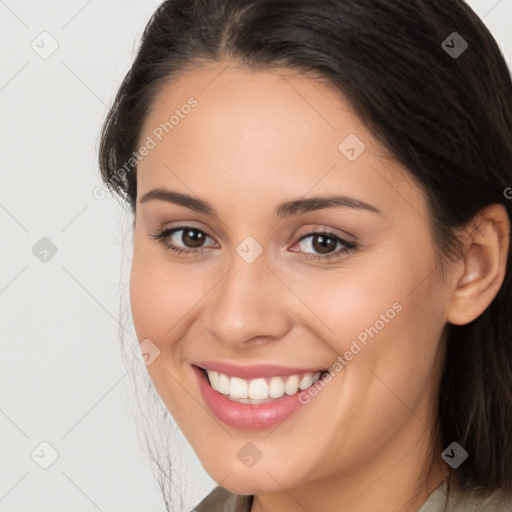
(195, 238)
(323, 248)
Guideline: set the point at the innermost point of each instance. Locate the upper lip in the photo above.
(253, 371)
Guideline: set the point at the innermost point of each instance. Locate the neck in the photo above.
(394, 481)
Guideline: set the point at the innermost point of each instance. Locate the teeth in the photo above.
(306, 381)
(238, 388)
(250, 400)
(260, 390)
(223, 384)
(276, 387)
(291, 385)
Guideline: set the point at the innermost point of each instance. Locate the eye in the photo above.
(191, 237)
(325, 242)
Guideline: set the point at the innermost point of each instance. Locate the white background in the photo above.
(62, 377)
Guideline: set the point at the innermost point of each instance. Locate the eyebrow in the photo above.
(285, 209)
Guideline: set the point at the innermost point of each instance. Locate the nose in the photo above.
(249, 305)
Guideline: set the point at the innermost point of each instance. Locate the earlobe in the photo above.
(485, 261)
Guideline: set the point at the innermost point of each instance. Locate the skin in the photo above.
(256, 139)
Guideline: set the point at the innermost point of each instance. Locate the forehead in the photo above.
(263, 133)
(259, 102)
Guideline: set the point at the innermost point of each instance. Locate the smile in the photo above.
(261, 390)
(254, 403)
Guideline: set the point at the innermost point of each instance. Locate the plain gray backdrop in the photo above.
(63, 381)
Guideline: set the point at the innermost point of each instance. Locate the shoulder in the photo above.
(475, 502)
(221, 500)
(466, 501)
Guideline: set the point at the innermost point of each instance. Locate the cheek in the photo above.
(387, 336)
(162, 297)
(392, 313)
(354, 304)
(153, 295)
(144, 299)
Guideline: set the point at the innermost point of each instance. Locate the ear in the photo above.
(483, 265)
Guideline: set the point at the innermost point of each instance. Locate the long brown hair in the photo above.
(447, 118)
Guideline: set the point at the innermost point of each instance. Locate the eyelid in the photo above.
(347, 246)
(297, 235)
(169, 231)
(183, 226)
(321, 228)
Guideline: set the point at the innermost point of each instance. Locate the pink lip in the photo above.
(249, 372)
(246, 416)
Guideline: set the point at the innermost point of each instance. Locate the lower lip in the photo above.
(246, 416)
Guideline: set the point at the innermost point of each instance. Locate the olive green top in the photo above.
(221, 500)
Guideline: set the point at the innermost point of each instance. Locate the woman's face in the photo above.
(261, 285)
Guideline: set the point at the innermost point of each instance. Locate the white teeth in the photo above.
(260, 390)
(291, 385)
(223, 384)
(306, 381)
(238, 388)
(276, 387)
(250, 400)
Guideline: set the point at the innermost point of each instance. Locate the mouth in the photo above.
(259, 390)
(255, 403)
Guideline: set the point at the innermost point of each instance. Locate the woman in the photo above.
(321, 271)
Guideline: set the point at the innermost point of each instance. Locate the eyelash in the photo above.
(349, 246)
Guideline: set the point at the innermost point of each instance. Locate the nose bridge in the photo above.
(247, 302)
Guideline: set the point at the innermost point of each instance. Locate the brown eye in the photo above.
(184, 239)
(324, 245)
(193, 238)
